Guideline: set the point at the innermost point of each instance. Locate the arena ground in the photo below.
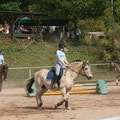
(15, 105)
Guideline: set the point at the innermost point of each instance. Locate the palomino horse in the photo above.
(116, 66)
(71, 72)
(3, 74)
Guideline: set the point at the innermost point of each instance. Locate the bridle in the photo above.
(75, 70)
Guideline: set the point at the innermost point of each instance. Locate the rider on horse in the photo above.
(1, 58)
(61, 62)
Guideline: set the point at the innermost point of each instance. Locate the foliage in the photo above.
(107, 18)
(116, 32)
(20, 53)
(11, 6)
(88, 15)
(117, 10)
(72, 10)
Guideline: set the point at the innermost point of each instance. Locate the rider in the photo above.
(1, 58)
(61, 62)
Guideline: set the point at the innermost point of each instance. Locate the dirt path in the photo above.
(14, 105)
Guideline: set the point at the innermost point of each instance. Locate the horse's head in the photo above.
(4, 70)
(86, 70)
(82, 68)
(114, 65)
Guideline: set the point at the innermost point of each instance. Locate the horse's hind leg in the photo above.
(117, 79)
(39, 93)
(1, 85)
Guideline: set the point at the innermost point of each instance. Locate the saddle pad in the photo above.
(50, 75)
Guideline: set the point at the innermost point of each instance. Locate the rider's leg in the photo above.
(60, 75)
(57, 71)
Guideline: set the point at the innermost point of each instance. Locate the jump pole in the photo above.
(81, 85)
(75, 90)
(79, 92)
(100, 89)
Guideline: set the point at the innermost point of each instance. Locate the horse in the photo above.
(116, 67)
(3, 74)
(71, 72)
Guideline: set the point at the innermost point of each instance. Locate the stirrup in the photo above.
(53, 86)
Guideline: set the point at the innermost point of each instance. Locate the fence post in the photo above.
(30, 73)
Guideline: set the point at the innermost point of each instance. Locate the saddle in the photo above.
(51, 73)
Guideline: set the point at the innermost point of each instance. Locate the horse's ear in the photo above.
(85, 62)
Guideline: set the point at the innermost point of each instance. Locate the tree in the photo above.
(11, 6)
(117, 10)
(72, 9)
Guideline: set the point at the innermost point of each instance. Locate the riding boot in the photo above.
(54, 81)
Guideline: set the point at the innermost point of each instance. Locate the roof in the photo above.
(43, 21)
(17, 13)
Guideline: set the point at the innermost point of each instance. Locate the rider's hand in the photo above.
(65, 65)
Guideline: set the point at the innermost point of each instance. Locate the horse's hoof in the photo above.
(39, 108)
(116, 83)
(68, 108)
(56, 106)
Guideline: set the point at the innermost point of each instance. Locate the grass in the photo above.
(24, 53)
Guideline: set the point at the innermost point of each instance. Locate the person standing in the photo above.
(2, 61)
(6, 27)
(1, 28)
(61, 62)
(78, 34)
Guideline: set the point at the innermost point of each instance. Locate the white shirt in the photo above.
(1, 59)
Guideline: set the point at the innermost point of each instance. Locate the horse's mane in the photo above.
(75, 61)
(116, 62)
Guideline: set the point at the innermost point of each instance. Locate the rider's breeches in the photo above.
(57, 69)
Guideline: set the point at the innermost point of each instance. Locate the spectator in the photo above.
(1, 58)
(78, 34)
(12, 29)
(1, 28)
(72, 35)
(6, 27)
(23, 30)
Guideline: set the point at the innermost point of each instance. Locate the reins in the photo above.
(72, 70)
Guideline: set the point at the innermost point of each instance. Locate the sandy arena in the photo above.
(14, 105)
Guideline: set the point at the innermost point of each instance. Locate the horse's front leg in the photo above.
(63, 92)
(117, 79)
(65, 99)
(59, 104)
(1, 83)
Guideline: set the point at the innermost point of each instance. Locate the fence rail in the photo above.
(40, 67)
(18, 75)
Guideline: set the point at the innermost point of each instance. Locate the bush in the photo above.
(91, 25)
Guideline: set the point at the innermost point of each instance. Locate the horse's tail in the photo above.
(30, 81)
